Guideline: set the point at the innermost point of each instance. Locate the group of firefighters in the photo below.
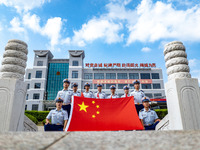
(60, 115)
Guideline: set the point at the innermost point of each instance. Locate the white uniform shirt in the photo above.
(88, 94)
(57, 117)
(138, 95)
(76, 93)
(65, 95)
(128, 95)
(148, 117)
(113, 96)
(102, 95)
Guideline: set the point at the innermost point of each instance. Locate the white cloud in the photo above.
(51, 29)
(193, 62)
(195, 68)
(146, 49)
(182, 2)
(23, 5)
(97, 29)
(148, 22)
(16, 25)
(159, 20)
(1, 27)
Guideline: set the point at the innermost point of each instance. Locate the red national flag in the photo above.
(90, 114)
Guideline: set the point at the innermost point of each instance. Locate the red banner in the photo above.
(90, 114)
(120, 81)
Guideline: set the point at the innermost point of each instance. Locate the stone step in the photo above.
(137, 140)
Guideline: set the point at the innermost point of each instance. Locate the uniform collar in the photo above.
(59, 110)
(146, 110)
(65, 90)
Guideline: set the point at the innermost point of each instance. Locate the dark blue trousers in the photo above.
(53, 127)
(139, 107)
(67, 108)
(151, 127)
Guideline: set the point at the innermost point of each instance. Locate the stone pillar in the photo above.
(12, 87)
(182, 91)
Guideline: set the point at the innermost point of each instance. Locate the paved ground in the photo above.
(40, 128)
(128, 140)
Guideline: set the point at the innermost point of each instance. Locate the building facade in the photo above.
(44, 80)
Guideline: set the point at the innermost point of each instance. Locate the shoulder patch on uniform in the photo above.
(142, 110)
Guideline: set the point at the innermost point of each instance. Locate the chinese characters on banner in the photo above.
(119, 65)
(120, 81)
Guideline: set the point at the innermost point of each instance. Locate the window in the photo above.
(108, 85)
(121, 86)
(95, 86)
(37, 85)
(122, 76)
(133, 76)
(149, 95)
(132, 86)
(99, 76)
(36, 96)
(110, 75)
(26, 96)
(155, 76)
(156, 86)
(39, 63)
(38, 74)
(25, 107)
(145, 75)
(54, 80)
(74, 74)
(88, 76)
(29, 75)
(75, 63)
(28, 86)
(157, 95)
(35, 107)
(146, 86)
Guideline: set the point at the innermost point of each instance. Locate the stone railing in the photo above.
(29, 125)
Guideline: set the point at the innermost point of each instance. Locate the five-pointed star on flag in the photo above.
(83, 107)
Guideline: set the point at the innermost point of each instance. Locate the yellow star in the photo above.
(93, 116)
(98, 112)
(83, 107)
(97, 106)
(93, 102)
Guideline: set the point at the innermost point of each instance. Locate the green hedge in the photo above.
(161, 113)
(32, 118)
(39, 115)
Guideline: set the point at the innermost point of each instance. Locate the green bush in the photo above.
(39, 115)
(44, 121)
(161, 113)
(32, 118)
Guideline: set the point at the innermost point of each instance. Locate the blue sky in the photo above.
(128, 31)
